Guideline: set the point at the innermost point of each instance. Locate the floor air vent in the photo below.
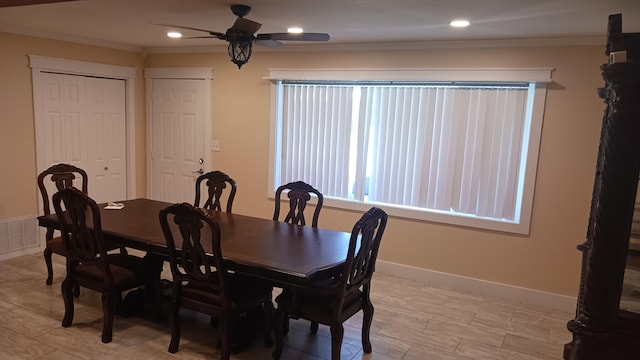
(18, 234)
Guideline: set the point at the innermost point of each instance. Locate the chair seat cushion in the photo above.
(128, 271)
(317, 304)
(243, 291)
(57, 246)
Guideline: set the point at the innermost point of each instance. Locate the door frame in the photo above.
(40, 64)
(177, 73)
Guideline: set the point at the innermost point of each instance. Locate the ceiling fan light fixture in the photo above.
(174, 34)
(240, 52)
(295, 30)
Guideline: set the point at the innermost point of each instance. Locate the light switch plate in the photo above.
(215, 145)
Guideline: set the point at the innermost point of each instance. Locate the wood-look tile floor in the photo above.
(412, 321)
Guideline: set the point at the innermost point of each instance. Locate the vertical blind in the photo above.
(316, 134)
(447, 148)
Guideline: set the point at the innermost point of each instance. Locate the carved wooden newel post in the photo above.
(601, 330)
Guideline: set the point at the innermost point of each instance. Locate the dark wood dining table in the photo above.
(285, 254)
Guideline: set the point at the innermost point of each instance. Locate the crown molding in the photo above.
(397, 46)
(70, 39)
(330, 46)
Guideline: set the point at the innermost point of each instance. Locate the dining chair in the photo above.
(201, 280)
(333, 301)
(61, 176)
(89, 265)
(299, 193)
(216, 183)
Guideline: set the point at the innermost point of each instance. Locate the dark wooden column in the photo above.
(600, 330)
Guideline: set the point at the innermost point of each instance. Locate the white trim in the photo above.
(196, 73)
(21, 252)
(274, 139)
(419, 45)
(539, 75)
(178, 73)
(431, 215)
(477, 286)
(41, 64)
(81, 67)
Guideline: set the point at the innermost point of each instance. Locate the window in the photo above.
(460, 151)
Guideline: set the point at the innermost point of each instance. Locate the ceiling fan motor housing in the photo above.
(240, 10)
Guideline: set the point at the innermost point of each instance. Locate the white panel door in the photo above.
(63, 98)
(106, 138)
(85, 126)
(178, 138)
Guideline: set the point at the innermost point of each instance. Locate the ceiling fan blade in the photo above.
(245, 26)
(201, 37)
(219, 35)
(269, 43)
(8, 3)
(294, 37)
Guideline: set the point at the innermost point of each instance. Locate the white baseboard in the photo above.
(21, 252)
(478, 286)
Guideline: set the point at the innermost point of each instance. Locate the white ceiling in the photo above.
(125, 23)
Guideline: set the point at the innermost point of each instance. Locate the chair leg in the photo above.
(313, 327)
(67, 296)
(174, 313)
(224, 330)
(278, 329)
(108, 308)
(366, 330)
(337, 332)
(367, 319)
(48, 261)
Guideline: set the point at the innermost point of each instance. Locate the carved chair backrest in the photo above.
(62, 176)
(363, 249)
(216, 182)
(299, 193)
(186, 230)
(83, 239)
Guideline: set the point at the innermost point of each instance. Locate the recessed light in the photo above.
(294, 30)
(459, 23)
(174, 34)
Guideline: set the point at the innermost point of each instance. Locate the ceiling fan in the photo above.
(241, 35)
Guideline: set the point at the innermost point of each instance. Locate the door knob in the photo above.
(200, 171)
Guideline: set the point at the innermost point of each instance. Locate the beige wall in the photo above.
(545, 260)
